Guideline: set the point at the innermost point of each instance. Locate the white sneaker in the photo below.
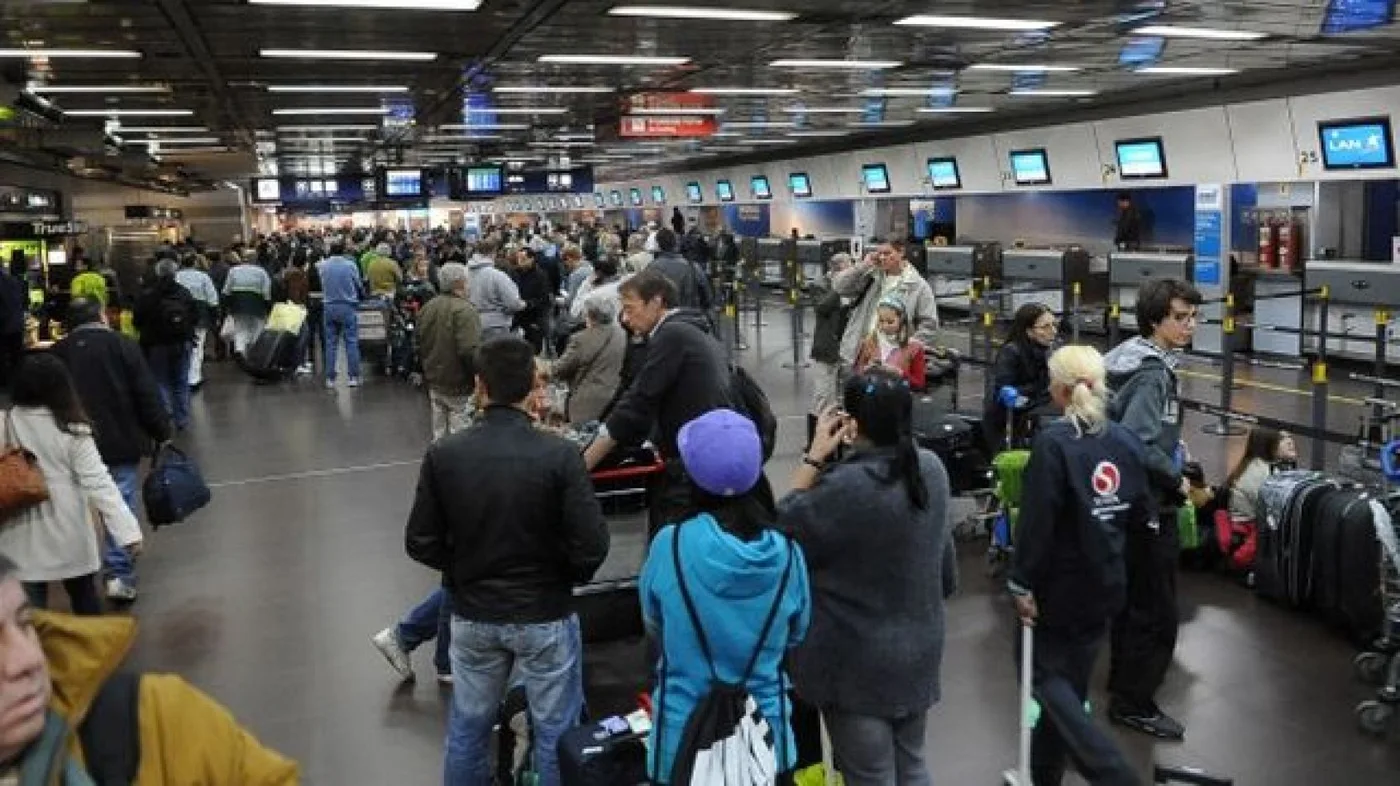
(330, 384)
(119, 590)
(305, 369)
(354, 382)
(387, 642)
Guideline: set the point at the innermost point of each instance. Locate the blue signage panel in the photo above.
(1208, 237)
(1356, 144)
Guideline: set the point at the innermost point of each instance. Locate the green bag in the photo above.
(1186, 529)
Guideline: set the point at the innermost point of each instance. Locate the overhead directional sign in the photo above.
(667, 115)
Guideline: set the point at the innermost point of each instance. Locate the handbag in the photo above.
(22, 483)
(174, 489)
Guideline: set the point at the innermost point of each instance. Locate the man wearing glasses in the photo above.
(1142, 373)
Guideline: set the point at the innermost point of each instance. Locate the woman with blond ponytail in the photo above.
(1088, 477)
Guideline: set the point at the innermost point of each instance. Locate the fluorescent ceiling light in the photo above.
(343, 110)
(485, 127)
(1046, 92)
(325, 140)
(724, 134)
(188, 151)
(1039, 68)
(819, 133)
(760, 124)
(745, 91)
(455, 138)
(1213, 34)
(410, 5)
(160, 130)
(823, 110)
(893, 92)
(575, 137)
(316, 129)
(858, 64)
(770, 141)
(184, 140)
(533, 89)
(614, 60)
(975, 23)
(347, 54)
(955, 110)
(884, 124)
(520, 110)
(55, 53)
(57, 89)
(673, 111)
(337, 89)
(560, 144)
(128, 112)
(692, 12)
(1186, 71)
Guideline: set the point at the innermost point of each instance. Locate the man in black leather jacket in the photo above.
(507, 513)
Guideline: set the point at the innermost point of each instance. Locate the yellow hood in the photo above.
(82, 653)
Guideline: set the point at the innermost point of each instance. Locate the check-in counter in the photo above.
(773, 255)
(1048, 276)
(952, 270)
(1358, 291)
(1277, 303)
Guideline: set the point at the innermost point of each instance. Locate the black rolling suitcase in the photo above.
(609, 611)
(1346, 564)
(1279, 501)
(602, 753)
(272, 356)
(957, 439)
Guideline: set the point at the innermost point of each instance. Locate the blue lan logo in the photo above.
(1349, 144)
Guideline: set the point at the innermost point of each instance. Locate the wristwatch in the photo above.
(813, 463)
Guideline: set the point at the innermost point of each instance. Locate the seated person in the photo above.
(1022, 364)
(1237, 533)
(891, 346)
(60, 670)
(723, 592)
(592, 364)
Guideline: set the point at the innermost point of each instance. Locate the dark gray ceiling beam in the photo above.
(177, 13)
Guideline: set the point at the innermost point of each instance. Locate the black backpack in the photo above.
(726, 723)
(175, 319)
(752, 402)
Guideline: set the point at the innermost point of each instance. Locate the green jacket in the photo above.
(449, 332)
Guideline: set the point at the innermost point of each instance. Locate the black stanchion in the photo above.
(1318, 453)
(795, 309)
(1382, 345)
(1076, 295)
(1115, 314)
(989, 320)
(1224, 427)
(736, 299)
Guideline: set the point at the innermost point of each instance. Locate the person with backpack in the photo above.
(725, 595)
(167, 315)
(201, 287)
(875, 530)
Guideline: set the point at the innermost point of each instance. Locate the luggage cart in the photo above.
(1380, 665)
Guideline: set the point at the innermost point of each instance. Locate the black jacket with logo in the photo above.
(1079, 495)
(149, 319)
(507, 513)
(117, 391)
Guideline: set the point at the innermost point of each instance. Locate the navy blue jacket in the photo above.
(1088, 489)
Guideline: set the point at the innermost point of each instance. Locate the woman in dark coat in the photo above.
(1022, 363)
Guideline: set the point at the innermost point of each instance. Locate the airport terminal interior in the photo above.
(1018, 152)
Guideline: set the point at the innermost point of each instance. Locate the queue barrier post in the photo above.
(1225, 427)
(735, 301)
(1115, 313)
(1075, 295)
(795, 302)
(1382, 345)
(1318, 454)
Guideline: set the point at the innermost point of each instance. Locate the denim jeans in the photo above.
(342, 323)
(82, 594)
(170, 363)
(430, 619)
(872, 751)
(548, 659)
(116, 563)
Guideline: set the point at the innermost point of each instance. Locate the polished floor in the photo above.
(267, 600)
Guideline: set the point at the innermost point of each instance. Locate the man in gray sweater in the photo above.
(491, 291)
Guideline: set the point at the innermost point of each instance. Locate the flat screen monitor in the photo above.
(330, 187)
(616, 197)
(943, 173)
(599, 200)
(1140, 159)
(1364, 143)
(403, 183)
(658, 195)
(1346, 16)
(693, 193)
(483, 180)
(1141, 51)
(267, 189)
(800, 184)
(758, 184)
(635, 194)
(724, 190)
(1030, 167)
(875, 178)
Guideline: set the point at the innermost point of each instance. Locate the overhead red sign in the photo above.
(667, 115)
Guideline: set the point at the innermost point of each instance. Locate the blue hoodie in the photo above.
(732, 583)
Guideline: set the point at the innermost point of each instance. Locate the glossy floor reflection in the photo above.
(267, 600)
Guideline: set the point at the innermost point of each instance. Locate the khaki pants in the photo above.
(451, 414)
(826, 387)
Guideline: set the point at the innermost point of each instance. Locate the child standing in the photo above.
(891, 346)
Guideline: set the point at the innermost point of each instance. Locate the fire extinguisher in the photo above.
(1268, 244)
(1287, 246)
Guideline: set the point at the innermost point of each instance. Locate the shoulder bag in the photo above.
(22, 483)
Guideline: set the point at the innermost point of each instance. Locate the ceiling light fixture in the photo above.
(534, 89)
(760, 124)
(1208, 33)
(396, 5)
(678, 111)
(745, 91)
(59, 89)
(185, 140)
(975, 23)
(485, 127)
(692, 12)
(337, 89)
(316, 129)
(56, 53)
(325, 139)
(621, 60)
(161, 130)
(823, 110)
(1186, 71)
(872, 65)
(819, 133)
(347, 54)
(343, 110)
(1039, 68)
(770, 141)
(955, 110)
(520, 110)
(884, 124)
(1046, 92)
(128, 112)
(893, 92)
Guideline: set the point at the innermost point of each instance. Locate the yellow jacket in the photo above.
(185, 736)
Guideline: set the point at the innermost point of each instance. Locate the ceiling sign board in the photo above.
(663, 115)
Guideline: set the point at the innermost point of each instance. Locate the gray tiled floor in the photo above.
(268, 598)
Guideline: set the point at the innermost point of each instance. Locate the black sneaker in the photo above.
(1152, 721)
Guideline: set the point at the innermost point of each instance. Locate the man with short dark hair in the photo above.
(1142, 374)
(692, 289)
(506, 511)
(167, 315)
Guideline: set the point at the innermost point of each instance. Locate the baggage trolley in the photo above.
(1380, 665)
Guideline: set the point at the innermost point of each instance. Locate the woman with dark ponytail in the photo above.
(874, 529)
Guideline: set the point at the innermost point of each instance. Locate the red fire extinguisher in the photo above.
(1287, 246)
(1268, 244)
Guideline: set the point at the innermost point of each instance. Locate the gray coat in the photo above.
(592, 366)
(494, 293)
(920, 307)
(880, 570)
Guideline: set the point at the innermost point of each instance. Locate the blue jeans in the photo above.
(116, 563)
(342, 322)
(430, 619)
(548, 660)
(170, 363)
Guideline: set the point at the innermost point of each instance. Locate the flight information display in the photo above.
(758, 184)
(943, 173)
(1357, 144)
(725, 191)
(800, 184)
(403, 183)
(1030, 167)
(1141, 158)
(267, 190)
(483, 180)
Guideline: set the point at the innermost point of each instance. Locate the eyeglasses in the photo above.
(1046, 327)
